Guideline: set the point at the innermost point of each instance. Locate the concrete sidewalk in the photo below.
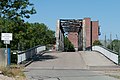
(96, 60)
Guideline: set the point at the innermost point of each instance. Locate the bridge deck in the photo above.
(71, 60)
(64, 60)
(70, 66)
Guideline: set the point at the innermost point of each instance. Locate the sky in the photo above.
(107, 12)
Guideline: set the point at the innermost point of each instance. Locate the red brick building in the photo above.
(91, 33)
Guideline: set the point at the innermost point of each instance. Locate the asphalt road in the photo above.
(69, 66)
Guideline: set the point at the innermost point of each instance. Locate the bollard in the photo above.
(8, 57)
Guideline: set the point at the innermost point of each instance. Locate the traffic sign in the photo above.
(6, 42)
(6, 36)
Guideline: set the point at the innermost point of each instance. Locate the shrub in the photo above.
(97, 42)
(13, 71)
(68, 47)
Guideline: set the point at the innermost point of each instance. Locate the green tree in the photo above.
(68, 46)
(97, 42)
(16, 9)
(38, 34)
(12, 13)
(30, 35)
(114, 45)
(25, 35)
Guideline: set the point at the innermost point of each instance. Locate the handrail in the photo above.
(28, 54)
(29, 49)
(108, 49)
(106, 52)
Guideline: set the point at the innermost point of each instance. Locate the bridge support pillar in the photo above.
(80, 40)
(59, 38)
(84, 36)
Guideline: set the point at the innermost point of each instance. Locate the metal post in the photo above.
(9, 56)
(91, 36)
(105, 41)
(6, 54)
(110, 41)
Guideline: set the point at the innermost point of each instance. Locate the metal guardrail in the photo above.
(109, 50)
(109, 54)
(28, 54)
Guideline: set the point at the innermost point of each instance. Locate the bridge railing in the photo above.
(108, 53)
(28, 54)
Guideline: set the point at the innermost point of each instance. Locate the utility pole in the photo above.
(117, 43)
(105, 41)
(110, 41)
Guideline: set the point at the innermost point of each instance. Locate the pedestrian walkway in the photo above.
(95, 60)
(92, 58)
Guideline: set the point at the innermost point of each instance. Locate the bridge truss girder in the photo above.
(68, 25)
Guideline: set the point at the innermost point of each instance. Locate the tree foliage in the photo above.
(28, 35)
(114, 45)
(97, 42)
(68, 46)
(25, 35)
(16, 9)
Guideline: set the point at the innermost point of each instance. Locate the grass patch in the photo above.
(13, 71)
(115, 76)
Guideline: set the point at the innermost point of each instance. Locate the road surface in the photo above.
(70, 66)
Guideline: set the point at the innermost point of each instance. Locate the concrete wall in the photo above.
(110, 55)
(4, 57)
(3, 60)
(22, 56)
